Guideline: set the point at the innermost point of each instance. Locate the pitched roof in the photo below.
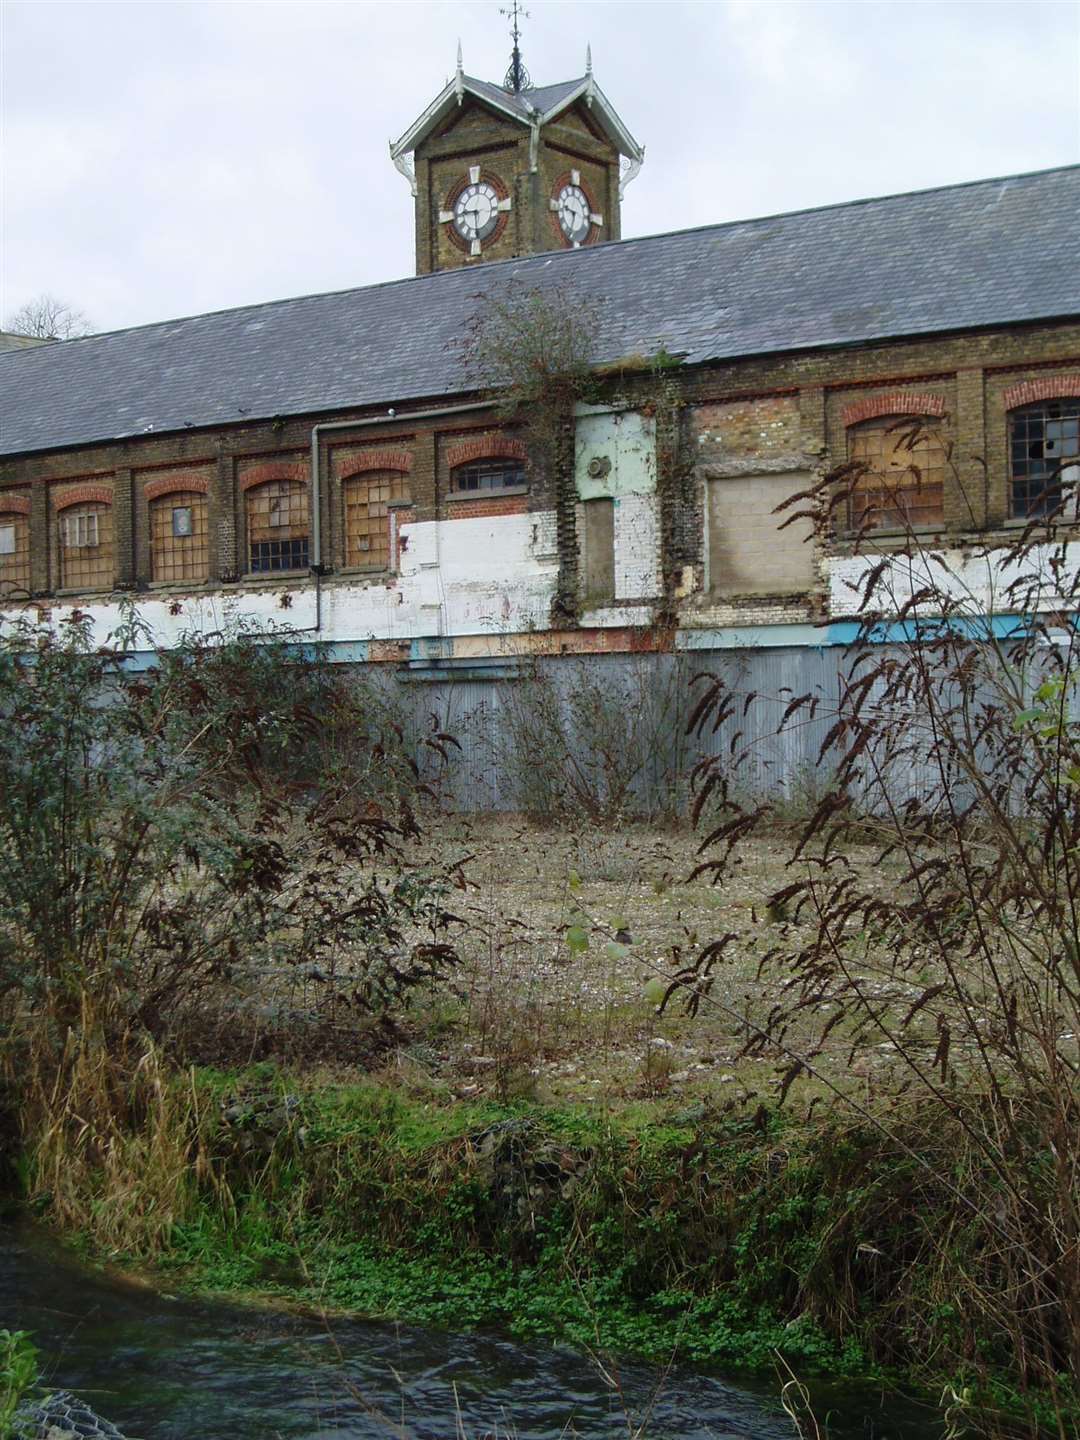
(993, 252)
(538, 105)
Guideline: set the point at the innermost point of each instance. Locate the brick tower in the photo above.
(514, 169)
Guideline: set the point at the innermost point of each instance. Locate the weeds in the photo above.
(18, 1378)
(954, 752)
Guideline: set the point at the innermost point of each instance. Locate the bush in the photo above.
(241, 801)
(952, 954)
(598, 742)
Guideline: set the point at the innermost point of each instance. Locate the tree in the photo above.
(47, 318)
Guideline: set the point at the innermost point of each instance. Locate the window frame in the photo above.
(294, 489)
(197, 539)
(100, 511)
(927, 430)
(19, 558)
(491, 464)
(1068, 408)
(392, 479)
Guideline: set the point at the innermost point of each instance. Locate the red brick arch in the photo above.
(170, 484)
(14, 505)
(898, 402)
(401, 460)
(273, 470)
(85, 495)
(1048, 387)
(491, 447)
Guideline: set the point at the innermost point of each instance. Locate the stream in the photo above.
(167, 1368)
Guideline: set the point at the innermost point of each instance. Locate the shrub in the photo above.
(953, 752)
(239, 801)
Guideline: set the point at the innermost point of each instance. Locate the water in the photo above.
(178, 1369)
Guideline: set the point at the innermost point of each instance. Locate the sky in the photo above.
(165, 159)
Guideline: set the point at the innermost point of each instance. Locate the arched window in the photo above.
(179, 537)
(499, 473)
(86, 546)
(902, 479)
(278, 526)
(14, 551)
(1044, 455)
(369, 501)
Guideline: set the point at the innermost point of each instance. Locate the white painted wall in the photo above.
(489, 575)
(983, 581)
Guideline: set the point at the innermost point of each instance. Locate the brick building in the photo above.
(332, 455)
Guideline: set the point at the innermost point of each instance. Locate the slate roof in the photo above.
(992, 252)
(540, 98)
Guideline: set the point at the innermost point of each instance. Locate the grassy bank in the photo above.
(724, 1239)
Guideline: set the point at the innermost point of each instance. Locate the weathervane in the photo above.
(517, 77)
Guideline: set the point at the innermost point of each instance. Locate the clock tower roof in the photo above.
(535, 107)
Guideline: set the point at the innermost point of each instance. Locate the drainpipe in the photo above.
(316, 478)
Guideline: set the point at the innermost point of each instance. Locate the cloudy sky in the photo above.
(166, 159)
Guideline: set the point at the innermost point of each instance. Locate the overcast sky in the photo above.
(166, 159)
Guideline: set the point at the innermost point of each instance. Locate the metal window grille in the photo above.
(1044, 448)
(497, 474)
(903, 478)
(179, 538)
(278, 526)
(86, 547)
(14, 552)
(368, 500)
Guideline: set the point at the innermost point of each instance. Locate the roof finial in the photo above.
(459, 77)
(517, 77)
(460, 63)
(588, 59)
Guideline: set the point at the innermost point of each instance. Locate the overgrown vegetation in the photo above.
(568, 750)
(160, 828)
(954, 750)
(18, 1378)
(189, 834)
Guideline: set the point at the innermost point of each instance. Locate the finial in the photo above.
(460, 63)
(588, 59)
(517, 77)
(459, 77)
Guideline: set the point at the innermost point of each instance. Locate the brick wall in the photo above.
(471, 136)
(746, 416)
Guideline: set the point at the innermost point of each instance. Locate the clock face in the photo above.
(476, 212)
(574, 212)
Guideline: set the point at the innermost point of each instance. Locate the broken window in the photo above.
(901, 481)
(278, 526)
(86, 547)
(370, 502)
(179, 538)
(1044, 450)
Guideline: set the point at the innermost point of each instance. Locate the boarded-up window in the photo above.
(751, 549)
(368, 502)
(86, 546)
(179, 538)
(278, 526)
(14, 551)
(599, 551)
(902, 474)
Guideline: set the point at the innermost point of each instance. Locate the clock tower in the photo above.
(515, 169)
